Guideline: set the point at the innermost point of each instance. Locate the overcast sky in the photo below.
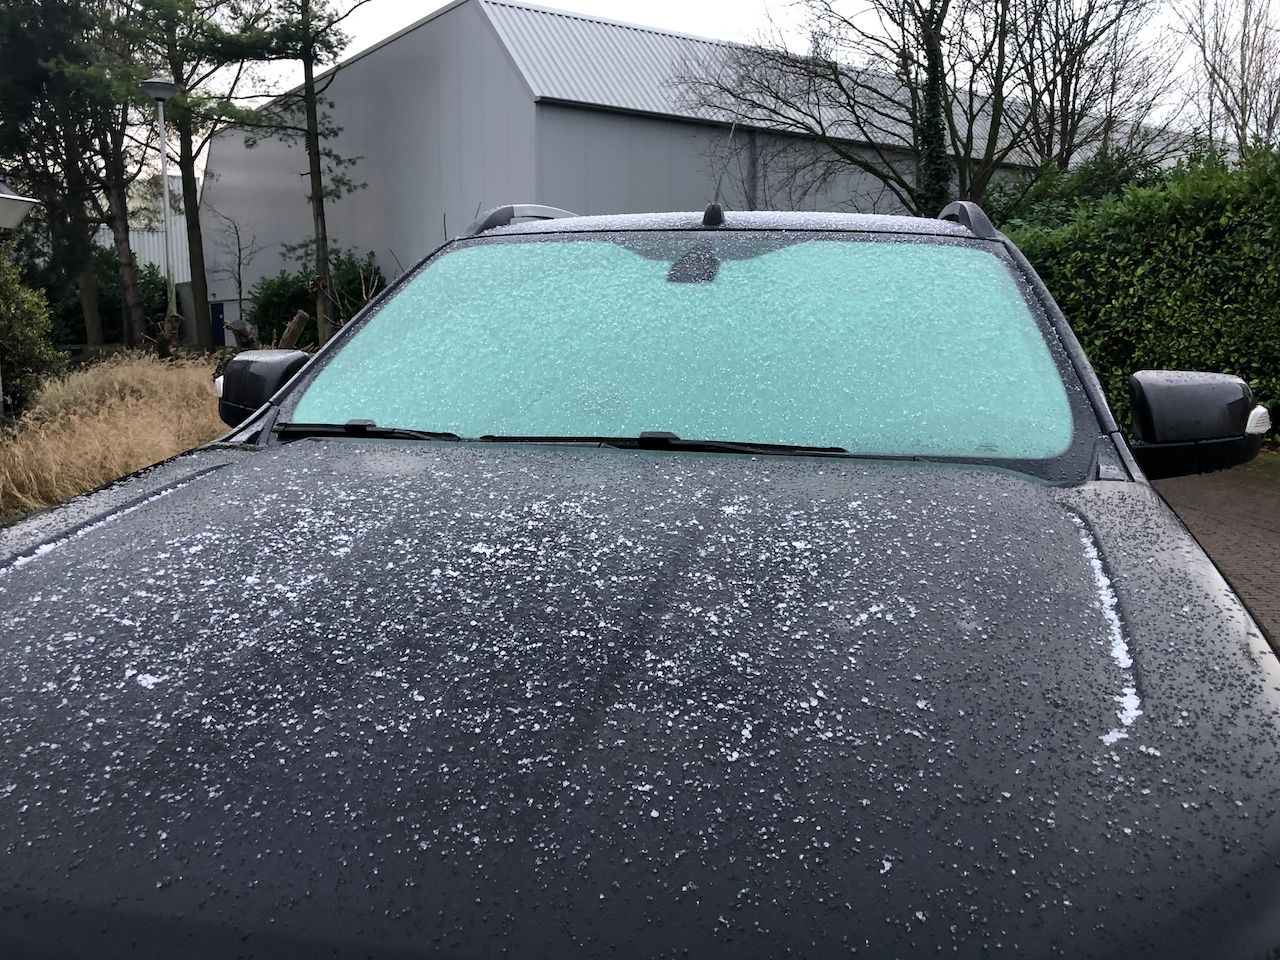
(719, 19)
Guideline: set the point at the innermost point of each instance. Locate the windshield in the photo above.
(877, 345)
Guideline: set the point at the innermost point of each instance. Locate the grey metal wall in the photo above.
(262, 191)
(444, 126)
(592, 161)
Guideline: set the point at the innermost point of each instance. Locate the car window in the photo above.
(875, 345)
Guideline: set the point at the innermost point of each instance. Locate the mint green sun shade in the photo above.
(902, 348)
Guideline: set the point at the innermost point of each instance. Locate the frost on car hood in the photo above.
(472, 698)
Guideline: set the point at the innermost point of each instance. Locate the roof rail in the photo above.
(969, 214)
(501, 216)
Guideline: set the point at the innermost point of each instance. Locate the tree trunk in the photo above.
(933, 186)
(131, 298)
(195, 239)
(87, 284)
(289, 339)
(74, 244)
(324, 290)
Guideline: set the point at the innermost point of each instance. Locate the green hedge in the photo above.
(1184, 275)
(26, 354)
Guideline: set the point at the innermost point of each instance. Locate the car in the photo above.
(714, 584)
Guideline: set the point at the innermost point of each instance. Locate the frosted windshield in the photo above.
(876, 346)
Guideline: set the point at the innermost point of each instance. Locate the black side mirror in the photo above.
(1187, 422)
(252, 378)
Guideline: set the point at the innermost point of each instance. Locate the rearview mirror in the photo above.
(1186, 422)
(252, 378)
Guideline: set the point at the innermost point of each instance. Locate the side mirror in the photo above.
(252, 378)
(1187, 422)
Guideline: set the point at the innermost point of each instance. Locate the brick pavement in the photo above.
(1235, 514)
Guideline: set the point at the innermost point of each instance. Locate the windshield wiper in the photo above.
(357, 428)
(662, 440)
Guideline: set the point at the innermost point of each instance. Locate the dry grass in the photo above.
(102, 422)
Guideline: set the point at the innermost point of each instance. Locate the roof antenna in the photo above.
(714, 217)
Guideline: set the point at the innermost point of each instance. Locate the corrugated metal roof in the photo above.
(575, 58)
(579, 59)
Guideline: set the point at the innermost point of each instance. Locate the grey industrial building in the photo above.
(487, 102)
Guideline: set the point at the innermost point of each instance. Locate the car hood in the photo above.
(365, 697)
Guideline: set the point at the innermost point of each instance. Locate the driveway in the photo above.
(1235, 515)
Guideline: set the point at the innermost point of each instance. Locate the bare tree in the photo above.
(1236, 47)
(913, 93)
(1092, 75)
(984, 120)
(933, 98)
(782, 172)
(240, 250)
(859, 92)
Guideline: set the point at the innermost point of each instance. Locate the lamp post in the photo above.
(161, 89)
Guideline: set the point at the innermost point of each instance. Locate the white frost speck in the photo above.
(1130, 706)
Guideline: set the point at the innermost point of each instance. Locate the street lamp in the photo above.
(13, 208)
(161, 89)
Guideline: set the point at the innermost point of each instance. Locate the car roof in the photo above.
(741, 220)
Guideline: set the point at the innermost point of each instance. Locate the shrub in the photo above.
(151, 287)
(274, 300)
(102, 422)
(26, 354)
(1183, 275)
(1050, 196)
(62, 293)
